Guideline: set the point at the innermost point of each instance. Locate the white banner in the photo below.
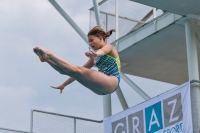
(169, 112)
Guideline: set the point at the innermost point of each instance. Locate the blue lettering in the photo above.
(153, 118)
(181, 126)
(176, 128)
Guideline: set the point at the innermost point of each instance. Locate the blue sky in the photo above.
(25, 81)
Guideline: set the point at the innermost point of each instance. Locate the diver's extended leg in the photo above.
(97, 80)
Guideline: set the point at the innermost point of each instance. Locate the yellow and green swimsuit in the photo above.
(109, 65)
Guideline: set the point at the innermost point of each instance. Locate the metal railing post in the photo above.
(74, 125)
(31, 122)
(106, 26)
(154, 13)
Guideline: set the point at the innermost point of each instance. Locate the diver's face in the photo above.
(95, 42)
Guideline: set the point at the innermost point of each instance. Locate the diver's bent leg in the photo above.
(52, 64)
(88, 86)
(98, 81)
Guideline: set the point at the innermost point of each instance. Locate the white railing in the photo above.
(48, 122)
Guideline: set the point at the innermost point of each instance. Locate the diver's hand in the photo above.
(60, 87)
(93, 55)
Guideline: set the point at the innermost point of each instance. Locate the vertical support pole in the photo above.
(107, 108)
(191, 50)
(90, 20)
(106, 21)
(193, 73)
(106, 25)
(117, 22)
(121, 98)
(31, 122)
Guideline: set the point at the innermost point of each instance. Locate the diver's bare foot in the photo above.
(43, 53)
(39, 54)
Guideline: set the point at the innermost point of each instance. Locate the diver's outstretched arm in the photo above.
(62, 86)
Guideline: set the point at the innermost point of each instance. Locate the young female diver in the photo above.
(102, 82)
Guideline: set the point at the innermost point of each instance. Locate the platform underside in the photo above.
(161, 56)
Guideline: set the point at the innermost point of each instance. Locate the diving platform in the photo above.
(181, 7)
(156, 50)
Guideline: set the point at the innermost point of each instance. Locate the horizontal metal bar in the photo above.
(74, 117)
(123, 17)
(13, 130)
